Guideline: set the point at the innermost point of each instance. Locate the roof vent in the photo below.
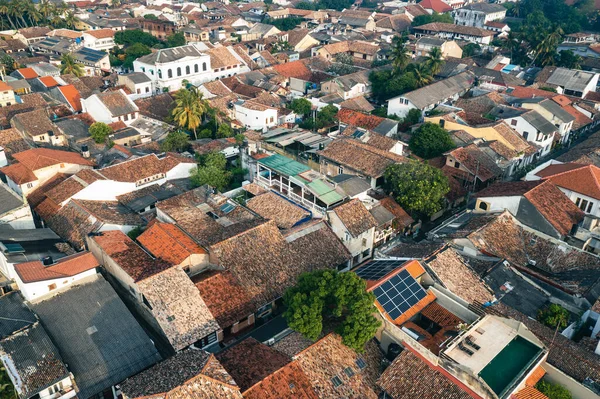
(91, 330)
(47, 261)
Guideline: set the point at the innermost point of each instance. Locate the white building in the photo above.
(534, 128)
(38, 278)
(168, 68)
(14, 210)
(255, 116)
(477, 14)
(7, 95)
(111, 107)
(572, 82)
(355, 226)
(138, 83)
(99, 39)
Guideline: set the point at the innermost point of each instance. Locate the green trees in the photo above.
(553, 391)
(430, 141)
(417, 187)
(400, 56)
(435, 17)
(471, 49)
(344, 65)
(554, 316)
(132, 36)
(68, 65)
(134, 52)
(284, 24)
(568, 59)
(176, 140)
(325, 117)
(212, 171)
(340, 299)
(176, 39)
(434, 60)
(100, 132)
(301, 106)
(189, 109)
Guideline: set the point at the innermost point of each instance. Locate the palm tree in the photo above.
(115, 3)
(68, 65)
(545, 51)
(189, 109)
(45, 8)
(517, 9)
(5, 10)
(434, 60)
(421, 74)
(71, 19)
(400, 56)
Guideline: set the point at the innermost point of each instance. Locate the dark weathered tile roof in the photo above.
(95, 328)
(242, 362)
(32, 355)
(329, 357)
(289, 382)
(409, 377)
(136, 169)
(117, 103)
(275, 207)
(15, 314)
(355, 217)
(477, 162)
(12, 142)
(157, 107)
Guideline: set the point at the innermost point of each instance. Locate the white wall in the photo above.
(35, 291)
(175, 82)
(19, 219)
(96, 109)
(353, 244)
(522, 126)
(399, 106)
(501, 203)
(255, 120)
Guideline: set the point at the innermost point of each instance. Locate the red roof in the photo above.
(18, 173)
(528, 92)
(30, 272)
(4, 86)
(583, 179)
(101, 33)
(28, 73)
(168, 242)
(72, 95)
(38, 158)
(294, 69)
(436, 5)
(48, 81)
(359, 119)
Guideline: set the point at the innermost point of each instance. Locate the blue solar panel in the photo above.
(399, 294)
(378, 269)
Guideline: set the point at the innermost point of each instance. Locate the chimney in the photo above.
(85, 151)
(47, 261)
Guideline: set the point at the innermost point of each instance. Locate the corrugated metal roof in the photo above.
(283, 165)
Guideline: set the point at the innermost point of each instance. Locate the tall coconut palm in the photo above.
(115, 3)
(45, 8)
(71, 19)
(68, 65)
(400, 56)
(189, 109)
(434, 60)
(422, 74)
(545, 51)
(5, 10)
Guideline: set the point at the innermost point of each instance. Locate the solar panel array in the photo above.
(399, 293)
(377, 269)
(91, 54)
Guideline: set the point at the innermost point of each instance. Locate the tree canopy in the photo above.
(339, 298)
(435, 17)
(325, 117)
(284, 24)
(301, 106)
(133, 36)
(212, 171)
(554, 316)
(553, 391)
(417, 187)
(68, 65)
(189, 109)
(176, 140)
(100, 131)
(430, 140)
(176, 39)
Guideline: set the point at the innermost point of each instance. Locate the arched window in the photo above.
(187, 70)
(159, 74)
(204, 66)
(196, 68)
(178, 71)
(169, 73)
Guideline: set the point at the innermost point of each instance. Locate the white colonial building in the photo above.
(478, 14)
(194, 63)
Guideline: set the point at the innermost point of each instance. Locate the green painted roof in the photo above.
(331, 197)
(283, 165)
(325, 192)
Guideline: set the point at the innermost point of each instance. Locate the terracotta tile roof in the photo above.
(38, 158)
(514, 139)
(68, 33)
(221, 57)
(117, 103)
(48, 81)
(436, 5)
(266, 263)
(167, 242)
(410, 377)
(458, 277)
(530, 92)
(360, 157)
(241, 363)
(439, 315)
(145, 166)
(584, 152)
(535, 377)
(359, 103)
(550, 201)
(177, 307)
(529, 393)
(403, 219)
(477, 162)
(28, 73)
(502, 236)
(292, 344)
(72, 96)
(289, 382)
(583, 179)
(31, 272)
(12, 142)
(329, 357)
(294, 69)
(217, 88)
(129, 256)
(101, 33)
(227, 299)
(157, 107)
(457, 29)
(19, 173)
(275, 207)
(356, 118)
(355, 217)
(34, 31)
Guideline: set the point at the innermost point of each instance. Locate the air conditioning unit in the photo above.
(532, 262)
(271, 341)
